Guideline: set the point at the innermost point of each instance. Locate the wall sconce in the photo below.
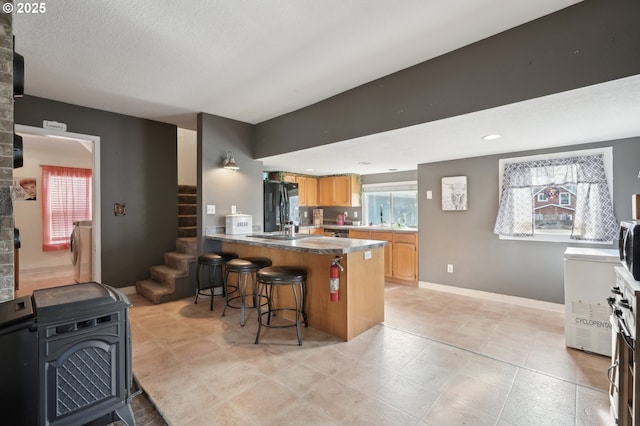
(230, 162)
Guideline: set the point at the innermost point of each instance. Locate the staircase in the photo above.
(187, 211)
(175, 278)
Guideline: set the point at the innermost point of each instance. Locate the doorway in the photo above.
(39, 269)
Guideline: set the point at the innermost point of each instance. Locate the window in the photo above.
(66, 197)
(394, 203)
(560, 197)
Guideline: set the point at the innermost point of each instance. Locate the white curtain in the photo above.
(593, 220)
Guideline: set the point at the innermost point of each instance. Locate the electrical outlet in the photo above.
(305, 214)
(211, 209)
(355, 214)
(233, 209)
(450, 268)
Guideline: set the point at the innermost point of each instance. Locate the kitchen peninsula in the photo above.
(361, 301)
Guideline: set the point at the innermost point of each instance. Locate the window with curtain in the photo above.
(66, 197)
(568, 194)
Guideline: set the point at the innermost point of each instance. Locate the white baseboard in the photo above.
(521, 301)
(128, 290)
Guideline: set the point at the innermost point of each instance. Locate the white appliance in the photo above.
(588, 278)
(238, 224)
(81, 251)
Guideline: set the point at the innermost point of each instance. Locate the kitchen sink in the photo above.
(281, 237)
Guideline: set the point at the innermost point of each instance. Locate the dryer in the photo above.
(82, 251)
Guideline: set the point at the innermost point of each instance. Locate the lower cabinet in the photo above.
(405, 257)
(400, 255)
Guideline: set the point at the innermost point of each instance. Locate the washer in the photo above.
(81, 251)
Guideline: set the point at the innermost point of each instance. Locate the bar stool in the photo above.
(213, 262)
(246, 266)
(280, 276)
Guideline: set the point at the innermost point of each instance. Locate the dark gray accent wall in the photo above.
(138, 164)
(591, 42)
(481, 260)
(225, 188)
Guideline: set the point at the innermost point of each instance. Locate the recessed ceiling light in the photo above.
(393, 170)
(309, 170)
(491, 137)
(364, 163)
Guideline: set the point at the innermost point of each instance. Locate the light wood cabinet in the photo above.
(307, 190)
(329, 191)
(339, 191)
(405, 257)
(400, 255)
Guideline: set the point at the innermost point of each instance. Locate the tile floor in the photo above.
(439, 359)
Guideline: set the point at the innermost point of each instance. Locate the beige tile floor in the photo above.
(438, 359)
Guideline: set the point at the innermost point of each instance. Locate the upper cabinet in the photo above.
(339, 191)
(307, 190)
(329, 191)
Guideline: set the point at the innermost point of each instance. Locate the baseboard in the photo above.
(521, 301)
(53, 268)
(128, 290)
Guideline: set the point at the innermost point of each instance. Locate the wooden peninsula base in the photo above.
(361, 298)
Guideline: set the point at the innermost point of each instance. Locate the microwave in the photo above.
(629, 246)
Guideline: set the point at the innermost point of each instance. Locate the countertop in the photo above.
(311, 244)
(374, 228)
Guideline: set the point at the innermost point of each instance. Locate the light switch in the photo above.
(211, 209)
(429, 195)
(233, 209)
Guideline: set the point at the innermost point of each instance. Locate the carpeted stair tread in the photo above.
(167, 271)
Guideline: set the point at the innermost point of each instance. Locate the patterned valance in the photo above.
(594, 219)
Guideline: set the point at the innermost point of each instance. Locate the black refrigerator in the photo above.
(280, 205)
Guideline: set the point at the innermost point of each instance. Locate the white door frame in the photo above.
(97, 225)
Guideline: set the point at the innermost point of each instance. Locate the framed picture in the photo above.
(25, 189)
(454, 193)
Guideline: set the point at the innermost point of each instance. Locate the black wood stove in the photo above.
(65, 357)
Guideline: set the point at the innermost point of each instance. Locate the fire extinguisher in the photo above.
(334, 278)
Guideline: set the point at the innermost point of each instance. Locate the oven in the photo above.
(623, 386)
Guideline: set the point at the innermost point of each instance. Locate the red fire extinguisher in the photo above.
(334, 278)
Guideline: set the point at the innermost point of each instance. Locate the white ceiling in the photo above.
(253, 60)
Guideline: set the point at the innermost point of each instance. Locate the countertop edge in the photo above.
(357, 245)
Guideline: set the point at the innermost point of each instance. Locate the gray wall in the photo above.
(588, 43)
(465, 238)
(224, 188)
(138, 167)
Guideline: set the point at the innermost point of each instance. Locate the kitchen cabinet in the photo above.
(307, 190)
(339, 191)
(400, 255)
(312, 231)
(405, 257)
